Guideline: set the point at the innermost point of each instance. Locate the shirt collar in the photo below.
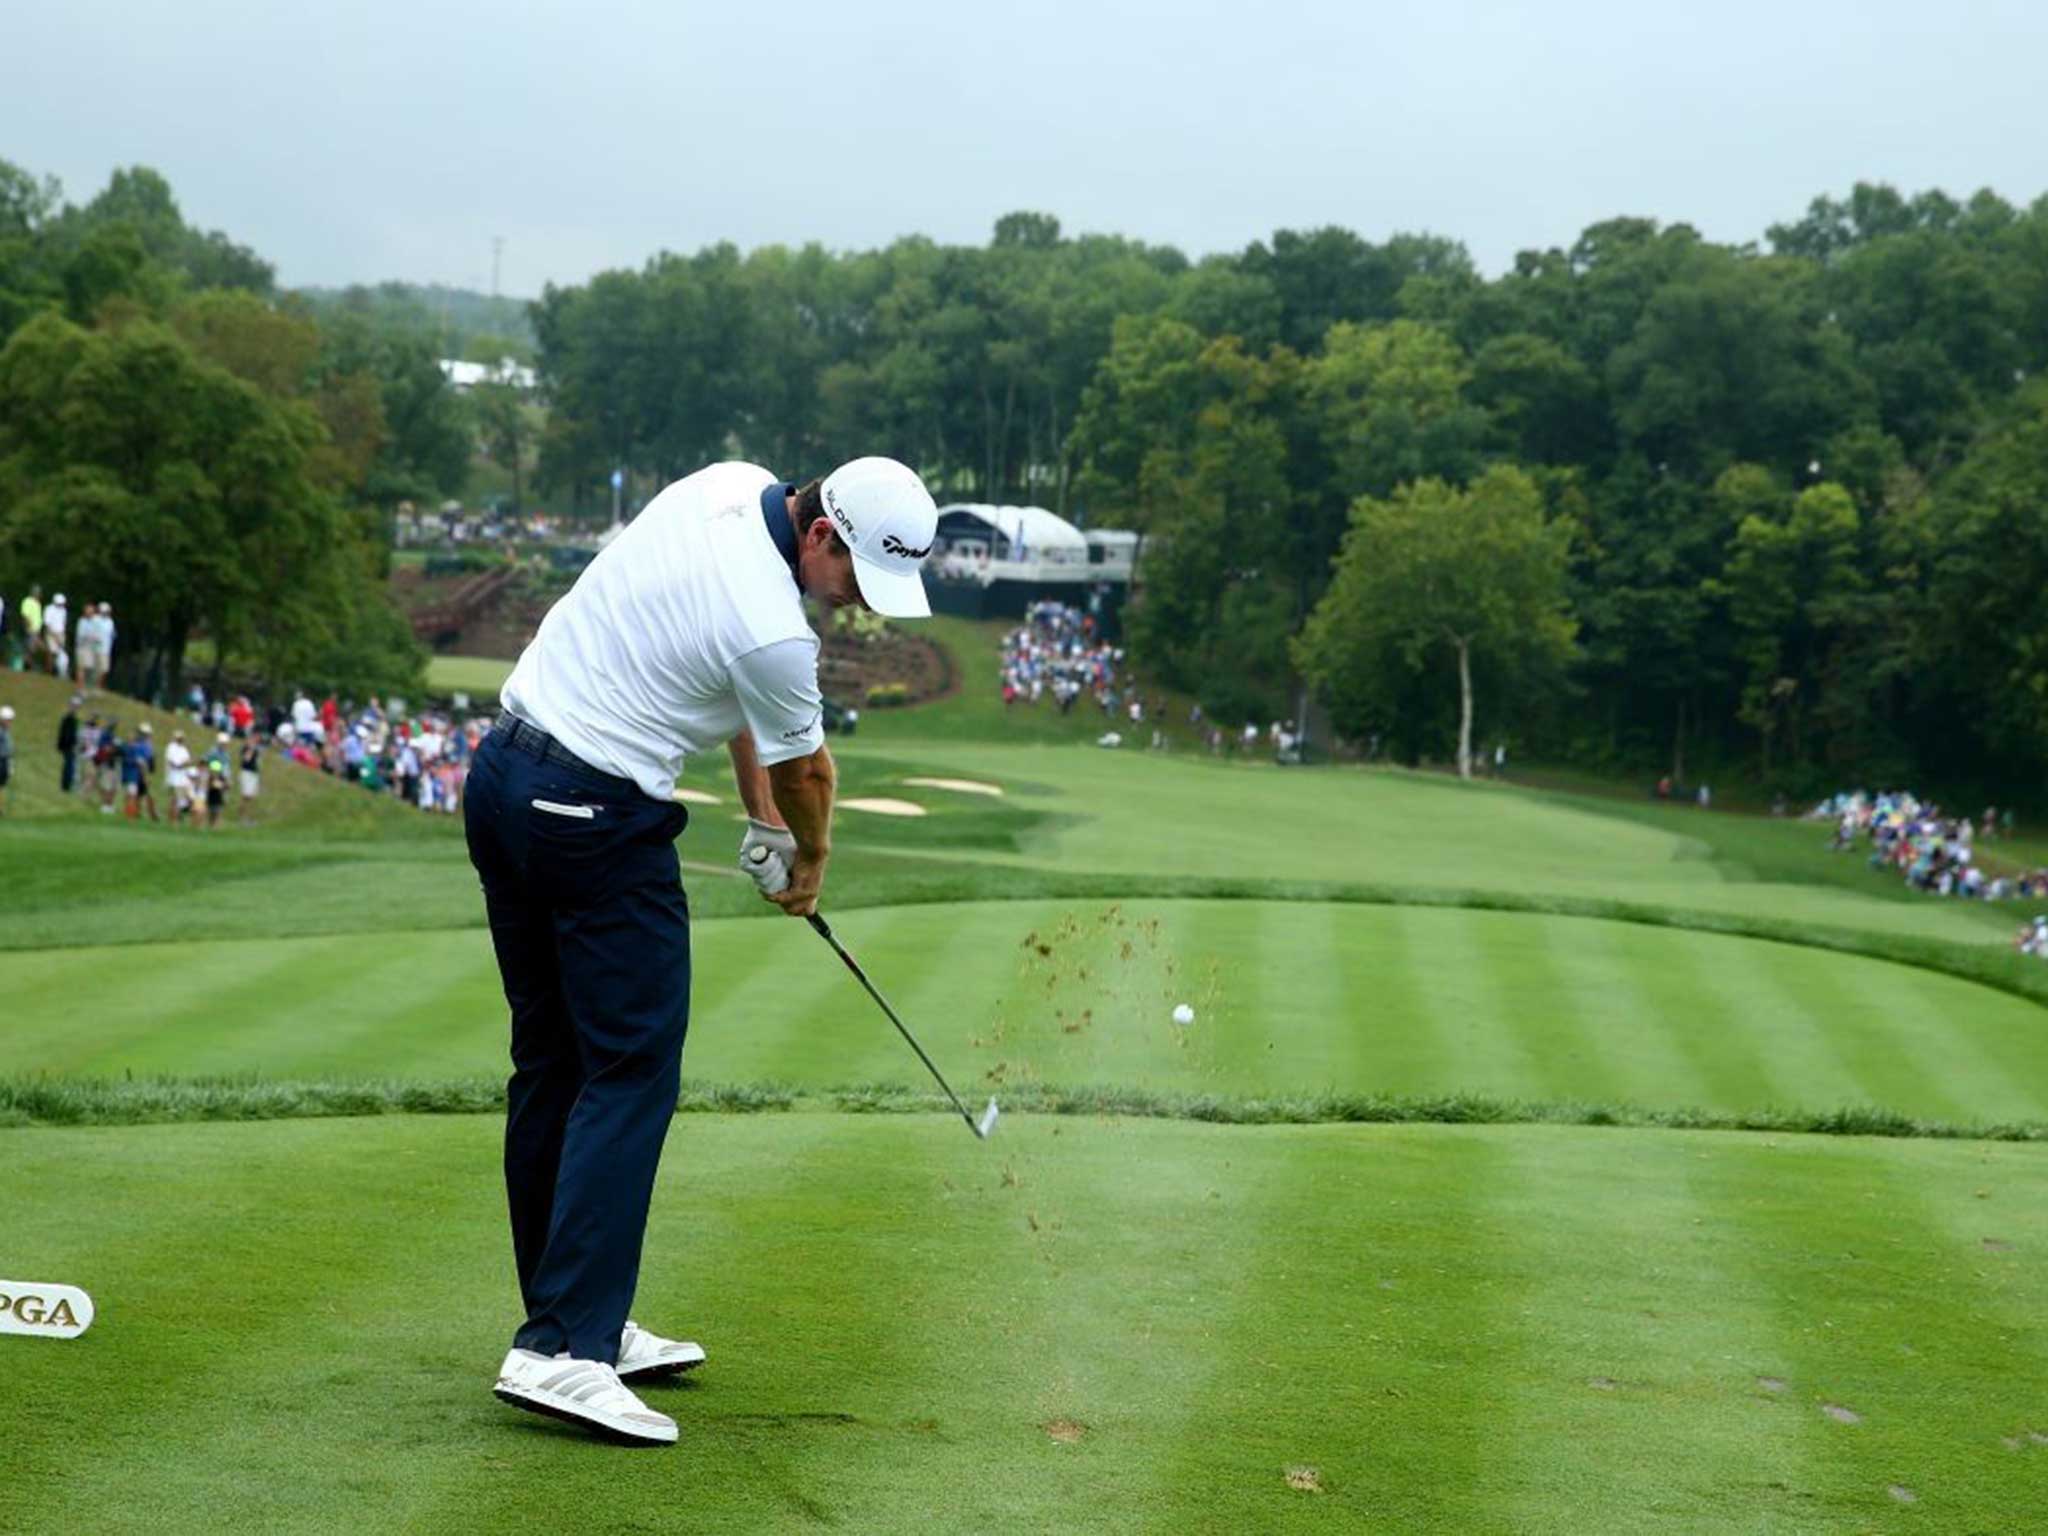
(775, 513)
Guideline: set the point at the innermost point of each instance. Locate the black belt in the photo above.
(535, 742)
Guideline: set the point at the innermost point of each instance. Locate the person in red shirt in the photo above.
(241, 715)
(330, 718)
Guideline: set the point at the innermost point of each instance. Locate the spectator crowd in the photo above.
(1933, 851)
(420, 758)
(1057, 652)
(40, 637)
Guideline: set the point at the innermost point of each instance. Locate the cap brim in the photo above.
(893, 594)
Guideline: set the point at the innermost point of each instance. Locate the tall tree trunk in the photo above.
(1464, 706)
(1678, 745)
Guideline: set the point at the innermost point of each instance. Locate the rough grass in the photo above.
(42, 1100)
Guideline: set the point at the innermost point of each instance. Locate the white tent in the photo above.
(1015, 533)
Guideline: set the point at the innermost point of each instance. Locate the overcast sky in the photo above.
(374, 139)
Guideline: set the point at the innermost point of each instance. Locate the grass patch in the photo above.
(478, 676)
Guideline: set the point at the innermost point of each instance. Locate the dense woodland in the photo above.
(1648, 504)
(1668, 505)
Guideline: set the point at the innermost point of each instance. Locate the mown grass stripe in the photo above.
(1640, 1336)
(1867, 1245)
(1368, 1339)
(1674, 994)
(1392, 1040)
(1845, 1050)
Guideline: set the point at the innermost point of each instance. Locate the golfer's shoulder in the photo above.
(732, 484)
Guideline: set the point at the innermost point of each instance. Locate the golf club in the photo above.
(981, 1127)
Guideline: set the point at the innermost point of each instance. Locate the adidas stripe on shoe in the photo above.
(582, 1392)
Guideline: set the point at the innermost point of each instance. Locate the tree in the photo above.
(1390, 403)
(1980, 620)
(137, 471)
(1789, 583)
(422, 444)
(501, 418)
(1478, 574)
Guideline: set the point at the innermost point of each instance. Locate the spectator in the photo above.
(138, 763)
(408, 767)
(6, 754)
(56, 634)
(216, 780)
(95, 646)
(108, 759)
(252, 776)
(178, 779)
(241, 715)
(32, 629)
(67, 747)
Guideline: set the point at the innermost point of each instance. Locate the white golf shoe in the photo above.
(644, 1356)
(584, 1392)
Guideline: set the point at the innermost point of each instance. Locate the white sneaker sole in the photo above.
(624, 1431)
(655, 1370)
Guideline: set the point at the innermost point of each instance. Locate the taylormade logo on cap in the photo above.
(889, 520)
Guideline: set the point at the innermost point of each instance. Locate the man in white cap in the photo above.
(6, 753)
(686, 634)
(56, 635)
(178, 780)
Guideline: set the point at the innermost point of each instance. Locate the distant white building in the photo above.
(996, 559)
(504, 371)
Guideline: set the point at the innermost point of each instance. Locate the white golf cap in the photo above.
(6, 711)
(888, 519)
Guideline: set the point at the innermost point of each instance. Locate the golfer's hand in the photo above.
(766, 854)
(806, 879)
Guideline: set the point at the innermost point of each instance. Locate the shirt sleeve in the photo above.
(777, 687)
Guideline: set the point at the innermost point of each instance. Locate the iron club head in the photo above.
(987, 1122)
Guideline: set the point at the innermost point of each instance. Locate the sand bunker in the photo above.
(882, 805)
(695, 797)
(961, 786)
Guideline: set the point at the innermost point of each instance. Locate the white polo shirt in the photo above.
(686, 628)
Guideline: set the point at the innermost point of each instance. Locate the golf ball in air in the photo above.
(1183, 1014)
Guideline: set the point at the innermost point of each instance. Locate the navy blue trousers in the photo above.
(592, 934)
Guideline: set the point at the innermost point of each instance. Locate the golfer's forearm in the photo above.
(751, 779)
(802, 788)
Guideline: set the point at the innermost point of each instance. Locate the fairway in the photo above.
(1111, 1316)
(1290, 998)
(1152, 1323)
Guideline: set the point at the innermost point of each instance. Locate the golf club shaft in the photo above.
(825, 932)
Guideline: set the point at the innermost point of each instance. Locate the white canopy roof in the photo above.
(1032, 531)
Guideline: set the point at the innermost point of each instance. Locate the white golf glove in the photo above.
(768, 868)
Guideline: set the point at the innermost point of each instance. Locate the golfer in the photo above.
(686, 634)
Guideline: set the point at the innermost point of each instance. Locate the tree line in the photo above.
(210, 455)
(1648, 503)
(1651, 503)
